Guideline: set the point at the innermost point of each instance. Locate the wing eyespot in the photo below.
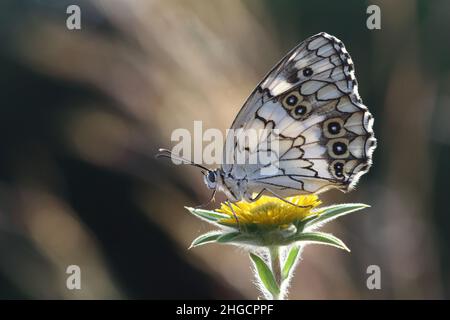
(292, 100)
(338, 148)
(301, 111)
(334, 128)
(337, 169)
(307, 72)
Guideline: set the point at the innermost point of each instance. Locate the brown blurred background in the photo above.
(82, 114)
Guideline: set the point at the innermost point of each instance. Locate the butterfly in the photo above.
(310, 105)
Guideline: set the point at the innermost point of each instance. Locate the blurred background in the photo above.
(83, 112)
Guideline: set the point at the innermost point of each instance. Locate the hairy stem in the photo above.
(275, 265)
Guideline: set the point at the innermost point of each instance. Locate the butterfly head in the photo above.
(217, 180)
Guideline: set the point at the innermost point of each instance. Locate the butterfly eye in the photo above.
(338, 148)
(307, 72)
(211, 177)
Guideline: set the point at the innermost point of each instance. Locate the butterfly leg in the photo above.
(212, 199)
(250, 199)
(282, 199)
(234, 214)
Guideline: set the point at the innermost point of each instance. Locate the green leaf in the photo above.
(236, 237)
(300, 225)
(228, 237)
(265, 275)
(333, 212)
(206, 238)
(290, 261)
(319, 238)
(207, 214)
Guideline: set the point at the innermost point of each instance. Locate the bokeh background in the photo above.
(82, 114)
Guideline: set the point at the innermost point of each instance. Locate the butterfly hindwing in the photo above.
(323, 131)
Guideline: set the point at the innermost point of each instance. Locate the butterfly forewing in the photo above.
(310, 104)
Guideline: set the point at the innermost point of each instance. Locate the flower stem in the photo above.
(275, 264)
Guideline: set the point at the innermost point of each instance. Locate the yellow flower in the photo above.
(270, 222)
(274, 231)
(270, 211)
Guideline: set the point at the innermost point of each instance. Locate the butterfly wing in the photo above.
(309, 103)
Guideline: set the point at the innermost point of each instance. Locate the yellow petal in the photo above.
(271, 211)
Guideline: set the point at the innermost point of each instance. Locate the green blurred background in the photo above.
(82, 114)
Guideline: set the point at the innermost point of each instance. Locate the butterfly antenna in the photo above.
(165, 153)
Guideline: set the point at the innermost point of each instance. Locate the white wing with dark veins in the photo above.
(309, 103)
